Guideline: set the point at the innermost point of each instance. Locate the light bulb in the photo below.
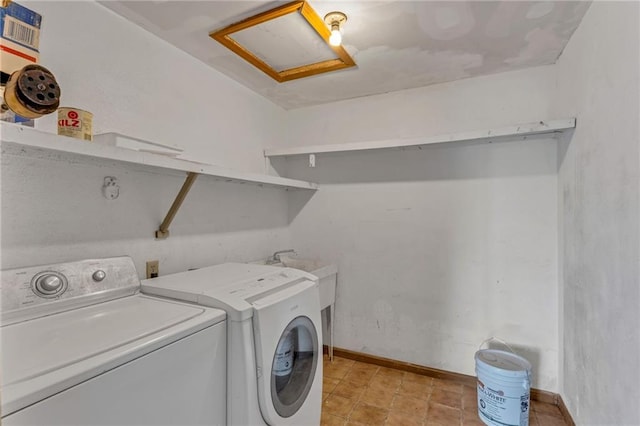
(336, 38)
(334, 21)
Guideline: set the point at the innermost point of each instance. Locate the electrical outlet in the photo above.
(153, 268)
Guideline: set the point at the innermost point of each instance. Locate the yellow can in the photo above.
(76, 123)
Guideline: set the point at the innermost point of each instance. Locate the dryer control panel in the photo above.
(233, 287)
(42, 290)
(257, 287)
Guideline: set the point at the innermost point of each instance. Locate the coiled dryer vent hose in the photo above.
(32, 92)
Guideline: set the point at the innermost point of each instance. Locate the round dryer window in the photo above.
(294, 366)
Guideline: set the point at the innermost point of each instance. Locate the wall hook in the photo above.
(110, 188)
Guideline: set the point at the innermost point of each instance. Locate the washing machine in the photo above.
(80, 345)
(274, 338)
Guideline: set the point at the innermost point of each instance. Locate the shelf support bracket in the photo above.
(163, 232)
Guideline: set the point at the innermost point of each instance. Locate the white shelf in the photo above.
(520, 131)
(40, 141)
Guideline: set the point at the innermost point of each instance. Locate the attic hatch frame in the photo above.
(344, 60)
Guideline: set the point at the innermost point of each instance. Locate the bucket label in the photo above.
(500, 408)
(283, 362)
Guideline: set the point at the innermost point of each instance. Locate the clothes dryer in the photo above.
(274, 338)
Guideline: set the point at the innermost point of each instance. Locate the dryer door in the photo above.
(288, 355)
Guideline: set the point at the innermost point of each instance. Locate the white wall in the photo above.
(469, 104)
(440, 248)
(598, 82)
(138, 85)
(54, 211)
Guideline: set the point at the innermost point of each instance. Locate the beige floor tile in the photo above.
(445, 397)
(469, 415)
(363, 366)
(543, 408)
(359, 376)
(549, 420)
(339, 361)
(377, 397)
(469, 401)
(329, 384)
(417, 378)
(369, 415)
(442, 414)
(391, 384)
(416, 390)
(399, 418)
(361, 394)
(338, 405)
(533, 420)
(416, 407)
(447, 385)
(329, 420)
(472, 390)
(390, 372)
(349, 390)
(335, 371)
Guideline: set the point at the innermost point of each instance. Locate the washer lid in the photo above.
(49, 354)
(234, 287)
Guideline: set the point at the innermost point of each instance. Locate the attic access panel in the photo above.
(286, 43)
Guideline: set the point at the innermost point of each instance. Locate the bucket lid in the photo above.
(504, 363)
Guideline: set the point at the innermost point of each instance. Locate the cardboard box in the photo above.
(19, 37)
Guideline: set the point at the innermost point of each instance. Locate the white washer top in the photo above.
(233, 287)
(46, 355)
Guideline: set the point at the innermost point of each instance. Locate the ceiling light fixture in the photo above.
(334, 21)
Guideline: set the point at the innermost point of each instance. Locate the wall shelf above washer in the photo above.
(32, 142)
(29, 138)
(516, 132)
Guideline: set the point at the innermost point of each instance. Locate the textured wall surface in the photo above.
(439, 248)
(138, 85)
(598, 82)
(54, 211)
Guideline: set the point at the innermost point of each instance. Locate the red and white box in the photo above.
(19, 36)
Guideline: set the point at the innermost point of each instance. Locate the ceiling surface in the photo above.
(396, 44)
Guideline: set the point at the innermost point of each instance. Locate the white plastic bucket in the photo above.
(503, 388)
(283, 363)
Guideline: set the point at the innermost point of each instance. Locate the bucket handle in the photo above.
(495, 339)
(502, 342)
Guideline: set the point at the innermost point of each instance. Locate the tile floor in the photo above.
(356, 393)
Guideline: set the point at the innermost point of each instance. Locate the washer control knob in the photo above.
(99, 275)
(49, 283)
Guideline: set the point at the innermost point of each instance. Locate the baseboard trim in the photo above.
(536, 394)
(544, 396)
(405, 366)
(565, 412)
